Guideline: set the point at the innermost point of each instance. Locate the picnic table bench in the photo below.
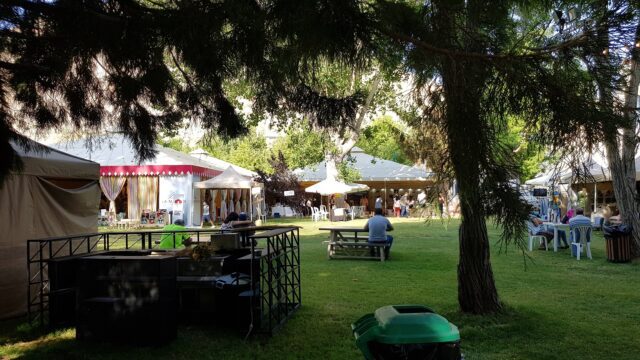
(346, 243)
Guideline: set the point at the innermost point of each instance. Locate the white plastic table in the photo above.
(556, 227)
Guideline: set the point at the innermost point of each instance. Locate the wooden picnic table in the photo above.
(340, 233)
(350, 245)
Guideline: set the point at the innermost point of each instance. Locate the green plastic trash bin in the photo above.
(406, 332)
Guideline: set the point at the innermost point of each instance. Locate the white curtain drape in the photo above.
(232, 205)
(133, 205)
(111, 187)
(238, 207)
(223, 204)
(244, 201)
(212, 208)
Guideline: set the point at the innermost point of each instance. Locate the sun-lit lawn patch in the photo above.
(556, 308)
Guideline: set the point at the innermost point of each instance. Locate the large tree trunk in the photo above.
(477, 291)
(621, 144)
(622, 165)
(466, 131)
(346, 138)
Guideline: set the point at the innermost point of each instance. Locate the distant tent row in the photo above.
(595, 179)
(378, 175)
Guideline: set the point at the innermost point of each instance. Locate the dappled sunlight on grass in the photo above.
(555, 308)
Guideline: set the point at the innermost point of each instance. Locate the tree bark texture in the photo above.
(466, 132)
(468, 142)
(345, 139)
(621, 150)
(621, 144)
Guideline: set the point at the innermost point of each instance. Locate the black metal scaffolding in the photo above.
(276, 280)
(41, 251)
(279, 282)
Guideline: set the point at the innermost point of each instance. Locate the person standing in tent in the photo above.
(404, 205)
(206, 216)
(378, 204)
(396, 206)
(364, 202)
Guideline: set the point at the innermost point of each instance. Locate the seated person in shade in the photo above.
(568, 216)
(537, 228)
(243, 221)
(579, 220)
(233, 221)
(377, 226)
(347, 209)
(182, 239)
(614, 219)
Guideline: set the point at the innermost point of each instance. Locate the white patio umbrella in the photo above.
(330, 187)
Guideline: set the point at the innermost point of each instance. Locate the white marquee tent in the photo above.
(231, 184)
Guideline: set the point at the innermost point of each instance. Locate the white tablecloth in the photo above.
(284, 211)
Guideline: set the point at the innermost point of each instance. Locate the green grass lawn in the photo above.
(556, 308)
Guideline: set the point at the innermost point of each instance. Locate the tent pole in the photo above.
(384, 212)
(595, 196)
(570, 192)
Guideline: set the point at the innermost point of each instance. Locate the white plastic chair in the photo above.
(354, 212)
(532, 237)
(288, 212)
(315, 214)
(576, 233)
(323, 212)
(261, 216)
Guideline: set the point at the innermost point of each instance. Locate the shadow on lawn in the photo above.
(194, 341)
(502, 333)
(496, 336)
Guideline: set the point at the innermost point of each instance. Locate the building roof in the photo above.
(370, 169)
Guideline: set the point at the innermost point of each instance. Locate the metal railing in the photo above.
(280, 293)
(279, 273)
(41, 251)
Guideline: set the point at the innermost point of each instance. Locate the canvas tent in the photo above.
(237, 192)
(55, 194)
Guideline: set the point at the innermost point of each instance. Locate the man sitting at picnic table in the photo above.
(181, 238)
(377, 226)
